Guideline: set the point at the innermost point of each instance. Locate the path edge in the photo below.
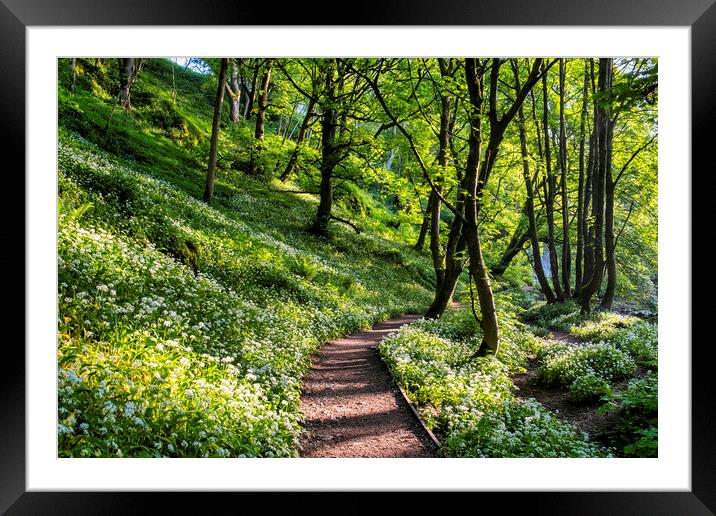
(409, 403)
(418, 416)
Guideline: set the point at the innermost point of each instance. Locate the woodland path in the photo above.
(352, 406)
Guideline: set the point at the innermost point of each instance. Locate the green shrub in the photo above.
(588, 388)
(636, 337)
(640, 340)
(638, 416)
(593, 367)
(602, 326)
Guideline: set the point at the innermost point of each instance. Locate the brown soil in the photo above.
(556, 399)
(564, 337)
(352, 407)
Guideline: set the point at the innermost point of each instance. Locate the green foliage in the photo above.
(602, 326)
(589, 387)
(556, 316)
(638, 414)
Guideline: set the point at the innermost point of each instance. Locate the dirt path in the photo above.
(352, 406)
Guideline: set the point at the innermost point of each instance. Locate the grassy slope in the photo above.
(184, 330)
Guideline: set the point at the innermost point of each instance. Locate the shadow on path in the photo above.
(352, 406)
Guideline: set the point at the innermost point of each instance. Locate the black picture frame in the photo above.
(699, 15)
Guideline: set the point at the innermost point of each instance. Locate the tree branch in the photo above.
(347, 222)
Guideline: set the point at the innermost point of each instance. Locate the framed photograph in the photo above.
(680, 37)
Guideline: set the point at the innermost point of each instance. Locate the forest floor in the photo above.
(352, 406)
(583, 416)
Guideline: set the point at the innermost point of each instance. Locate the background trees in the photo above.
(541, 172)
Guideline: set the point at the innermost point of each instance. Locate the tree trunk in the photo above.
(251, 95)
(425, 226)
(473, 186)
(603, 162)
(260, 131)
(580, 191)
(589, 181)
(609, 244)
(126, 69)
(291, 166)
(566, 250)
(73, 74)
(448, 264)
(329, 123)
(453, 268)
(551, 186)
(453, 263)
(530, 206)
(211, 172)
(445, 137)
(233, 90)
(517, 242)
(436, 251)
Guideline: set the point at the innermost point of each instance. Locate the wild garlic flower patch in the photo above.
(635, 337)
(602, 326)
(468, 400)
(165, 354)
(588, 371)
(522, 429)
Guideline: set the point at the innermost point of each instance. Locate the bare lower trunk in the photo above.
(551, 186)
(126, 69)
(260, 131)
(603, 162)
(323, 215)
(453, 266)
(609, 241)
(445, 290)
(425, 226)
(211, 172)
(488, 314)
(329, 124)
(566, 250)
(580, 193)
